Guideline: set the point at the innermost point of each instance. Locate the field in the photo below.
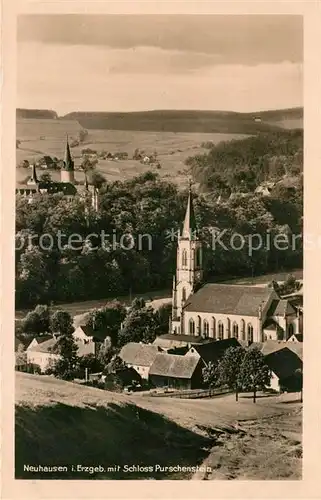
(39, 139)
(63, 423)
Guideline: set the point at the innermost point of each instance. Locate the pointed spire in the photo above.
(34, 174)
(86, 182)
(189, 227)
(68, 161)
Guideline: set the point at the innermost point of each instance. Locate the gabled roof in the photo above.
(174, 365)
(215, 350)
(40, 339)
(241, 300)
(138, 354)
(283, 362)
(298, 336)
(45, 346)
(90, 332)
(276, 345)
(281, 307)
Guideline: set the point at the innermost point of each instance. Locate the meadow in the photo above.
(39, 137)
(65, 423)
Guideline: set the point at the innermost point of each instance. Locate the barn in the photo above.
(176, 372)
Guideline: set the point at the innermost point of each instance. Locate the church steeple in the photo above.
(67, 172)
(189, 268)
(68, 161)
(34, 177)
(189, 226)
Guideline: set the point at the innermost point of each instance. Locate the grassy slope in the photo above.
(62, 423)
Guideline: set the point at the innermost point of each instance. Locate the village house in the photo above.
(286, 370)
(139, 356)
(43, 355)
(37, 340)
(213, 351)
(176, 371)
(220, 311)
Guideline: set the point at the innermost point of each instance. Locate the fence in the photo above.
(191, 394)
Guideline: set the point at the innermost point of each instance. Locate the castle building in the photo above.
(221, 311)
(66, 185)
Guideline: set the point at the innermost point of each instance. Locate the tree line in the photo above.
(152, 206)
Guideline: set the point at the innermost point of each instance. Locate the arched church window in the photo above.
(214, 328)
(290, 330)
(183, 294)
(220, 330)
(184, 258)
(243, 329)
(199, 325)
(191, 327)
(198, 257)
(206, 328)
(228, 326)
(235, 330)
(250, 332)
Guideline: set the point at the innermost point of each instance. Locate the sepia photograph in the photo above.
(159, 247)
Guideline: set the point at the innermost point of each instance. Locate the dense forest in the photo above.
(142, 215)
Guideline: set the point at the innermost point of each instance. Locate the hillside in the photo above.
(36, 113)
(31, 128)
(60, 423)
(173, 121)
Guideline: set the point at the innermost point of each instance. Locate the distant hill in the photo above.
(191, 121)
(36, 113)
(178, 121)
(31, 128)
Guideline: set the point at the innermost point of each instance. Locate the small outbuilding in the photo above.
(176, 372)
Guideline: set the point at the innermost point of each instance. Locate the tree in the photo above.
(209, 374)
(137, 303)
(254, 373)
(91, 363)
(140, 325)
(68, 362)
(108, 319)
(61, 323)
(229, 366)
(106, 353)
(164, 312)
(37, 321)
(96, 178)
(45, 177)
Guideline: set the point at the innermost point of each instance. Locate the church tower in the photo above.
(189, 268)
(67, 170)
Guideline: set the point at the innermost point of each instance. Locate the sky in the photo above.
(81, 62)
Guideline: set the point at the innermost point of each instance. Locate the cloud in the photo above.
(245, 39)
(77, 77)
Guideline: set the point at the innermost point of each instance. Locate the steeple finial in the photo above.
(189, 226)
(34, 174)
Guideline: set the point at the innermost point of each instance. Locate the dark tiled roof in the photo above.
(283, 362)
(139, 354)
(215, 350)
(270, 324)
(229, 299)
(271, 346)
(90, 332)
(280, 308)
(174, 365)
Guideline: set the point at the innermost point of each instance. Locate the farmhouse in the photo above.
(170, 341)
(39, 339)
(139, 356)
(213, 351)
(216, 311)
(176, 371)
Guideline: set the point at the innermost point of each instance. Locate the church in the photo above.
(67, 185)
(221, 311)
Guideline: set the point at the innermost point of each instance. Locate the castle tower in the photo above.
(189, 268)
(67, 173)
